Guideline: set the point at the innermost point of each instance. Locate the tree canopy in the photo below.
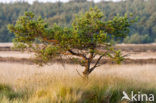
(88, 38)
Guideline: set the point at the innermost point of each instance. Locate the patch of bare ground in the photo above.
(137, 47)
(16, 54)
(32, 61)
(134, 51)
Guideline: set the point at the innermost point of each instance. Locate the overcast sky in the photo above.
(31, 1)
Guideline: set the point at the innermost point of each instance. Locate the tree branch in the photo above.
(91, 56)
(53, 41)
(79, 74)
(78, 54)
(96, 64)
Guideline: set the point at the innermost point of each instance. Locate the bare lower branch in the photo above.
(96, 64)
(78, 54)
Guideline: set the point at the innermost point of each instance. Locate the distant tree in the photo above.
(63, 13)
(88, 38)
(137, 39)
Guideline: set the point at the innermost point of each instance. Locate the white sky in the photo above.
(31, 1)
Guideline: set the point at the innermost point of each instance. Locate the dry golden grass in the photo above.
(13, 73)
(58, 84)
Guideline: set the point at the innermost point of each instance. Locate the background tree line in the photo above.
(143, 31)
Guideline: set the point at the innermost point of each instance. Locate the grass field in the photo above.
(62, 84)
(57, 83)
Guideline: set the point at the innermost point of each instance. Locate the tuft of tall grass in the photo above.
(9, 95)
(66, 89)
(79, 91)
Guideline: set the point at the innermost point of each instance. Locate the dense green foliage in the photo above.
(84, 39)
(63, 14)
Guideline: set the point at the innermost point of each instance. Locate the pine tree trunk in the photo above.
(86, 70)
